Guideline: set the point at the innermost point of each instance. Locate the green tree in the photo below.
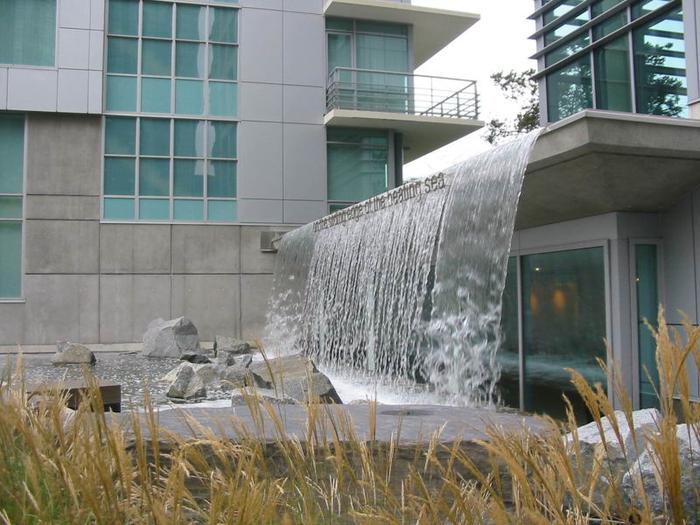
(520, 87)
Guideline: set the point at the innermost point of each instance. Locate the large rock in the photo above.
(187, 385)
(644, 473)
(260, 394)
(295, 376)
(73, 354)
(230, 345)
(171, 338)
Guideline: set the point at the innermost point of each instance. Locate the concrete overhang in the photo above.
(421, 134)
(598, 162)
(433, 29)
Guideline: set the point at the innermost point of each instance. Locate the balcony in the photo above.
(430, 112)
(433, 29)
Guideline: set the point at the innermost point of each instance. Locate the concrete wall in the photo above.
(281, 137)
(91, 282)
(74, 84)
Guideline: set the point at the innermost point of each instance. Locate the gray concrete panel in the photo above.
(12, 325)
(262, 211)
(3, 88)
(129, 302)
(599, 227)
(255, 294)
(73, 48)
(62, 207)
(304, 162)
(302, 212)
(679, 262)
(304, 49)
(135, 248)
(74, 13)
(254, 261)
(97, 14)
(212, 302)
(72, 91)
(304, 6)
(262, 4)
(304, 105)
(205, 249)
(95, 92)
(64, 247)
(260, 163)
(96, 50)
(261, 50)
(64, 155)
(691, 23)
(260, 101)
(60, 308)
(32, 89)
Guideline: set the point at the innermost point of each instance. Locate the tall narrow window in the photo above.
(509, 351)
(612, 75)
(646, 280)
(28, 32)
(11, 201)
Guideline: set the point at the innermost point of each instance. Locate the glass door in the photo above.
(646, 288)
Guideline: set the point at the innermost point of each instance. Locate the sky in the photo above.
(498, 42)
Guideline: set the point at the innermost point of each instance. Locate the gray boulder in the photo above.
(262, 395)
(230, 345)
(644, 473)
(171, 338)
(73, 354)
(195, 357)
(187, 385)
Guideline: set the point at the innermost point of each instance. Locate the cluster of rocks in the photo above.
(633, 463)
(235, 366)
(68, 353)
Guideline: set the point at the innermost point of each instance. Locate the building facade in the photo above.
(607, 224)
(151, 149)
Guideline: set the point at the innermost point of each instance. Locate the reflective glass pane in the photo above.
(119, 209)
(381, 27)
(224, 25)
(224, 62)
(154, 177)
(567, 49)
(660, 67)
(221, 178)
(190, 60)
(189, 138)
(508, 353)
(611, 24)
(339, 53)
(157, 19)
(382, 53)
(123, 17)
(189, 97)
(188, 210)
(10, 207)
(560, 10)
(189, 178)
(155, 137)
(564, 326)
(644, 8)
(122, 55)
(121, 93)
(155, 57)
(10, 259)
(339, 24)
(569, 90)
(190, 24)
(612, 74)
(154, 209)
(120, 136)
(566, 28)
(222, 140)
(222, 99)
(11, 153)
(28, 32)
(222, 211)
(647, 311)
(358, 167)
(119, 176)
(155, 95)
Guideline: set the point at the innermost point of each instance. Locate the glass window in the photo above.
(28, 32)
(120, 136)
(191, 22)
(154, 177)
(508, 352)
(154, 209)
(564, 326)
(121, 93)
(189, 97)
(157, 19)
(357, 164)
(221, 178)
(560, 10)
(223, 62)
(612, 75)
(340, 24)
(222, 211)
(189, 138)
(120, 176)
(222, 99)
(367, 26)
(122, 55)
(224, 25)
(645, 7)
(119, 209)
(569, 89)
(155, 95)
(188, 210)
(189, 178)
(155, 137)
(660, 67)
(190, 60)
(155, 57)
(222, 140)
(646, 279)
(611, 24)
(568, 49)
(566, 28)
(123, 17)
(11, 197)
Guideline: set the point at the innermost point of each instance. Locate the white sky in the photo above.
(498, 42)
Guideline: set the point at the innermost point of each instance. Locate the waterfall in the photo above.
(404, 289)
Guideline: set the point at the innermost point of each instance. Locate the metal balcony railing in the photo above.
(421, 95)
